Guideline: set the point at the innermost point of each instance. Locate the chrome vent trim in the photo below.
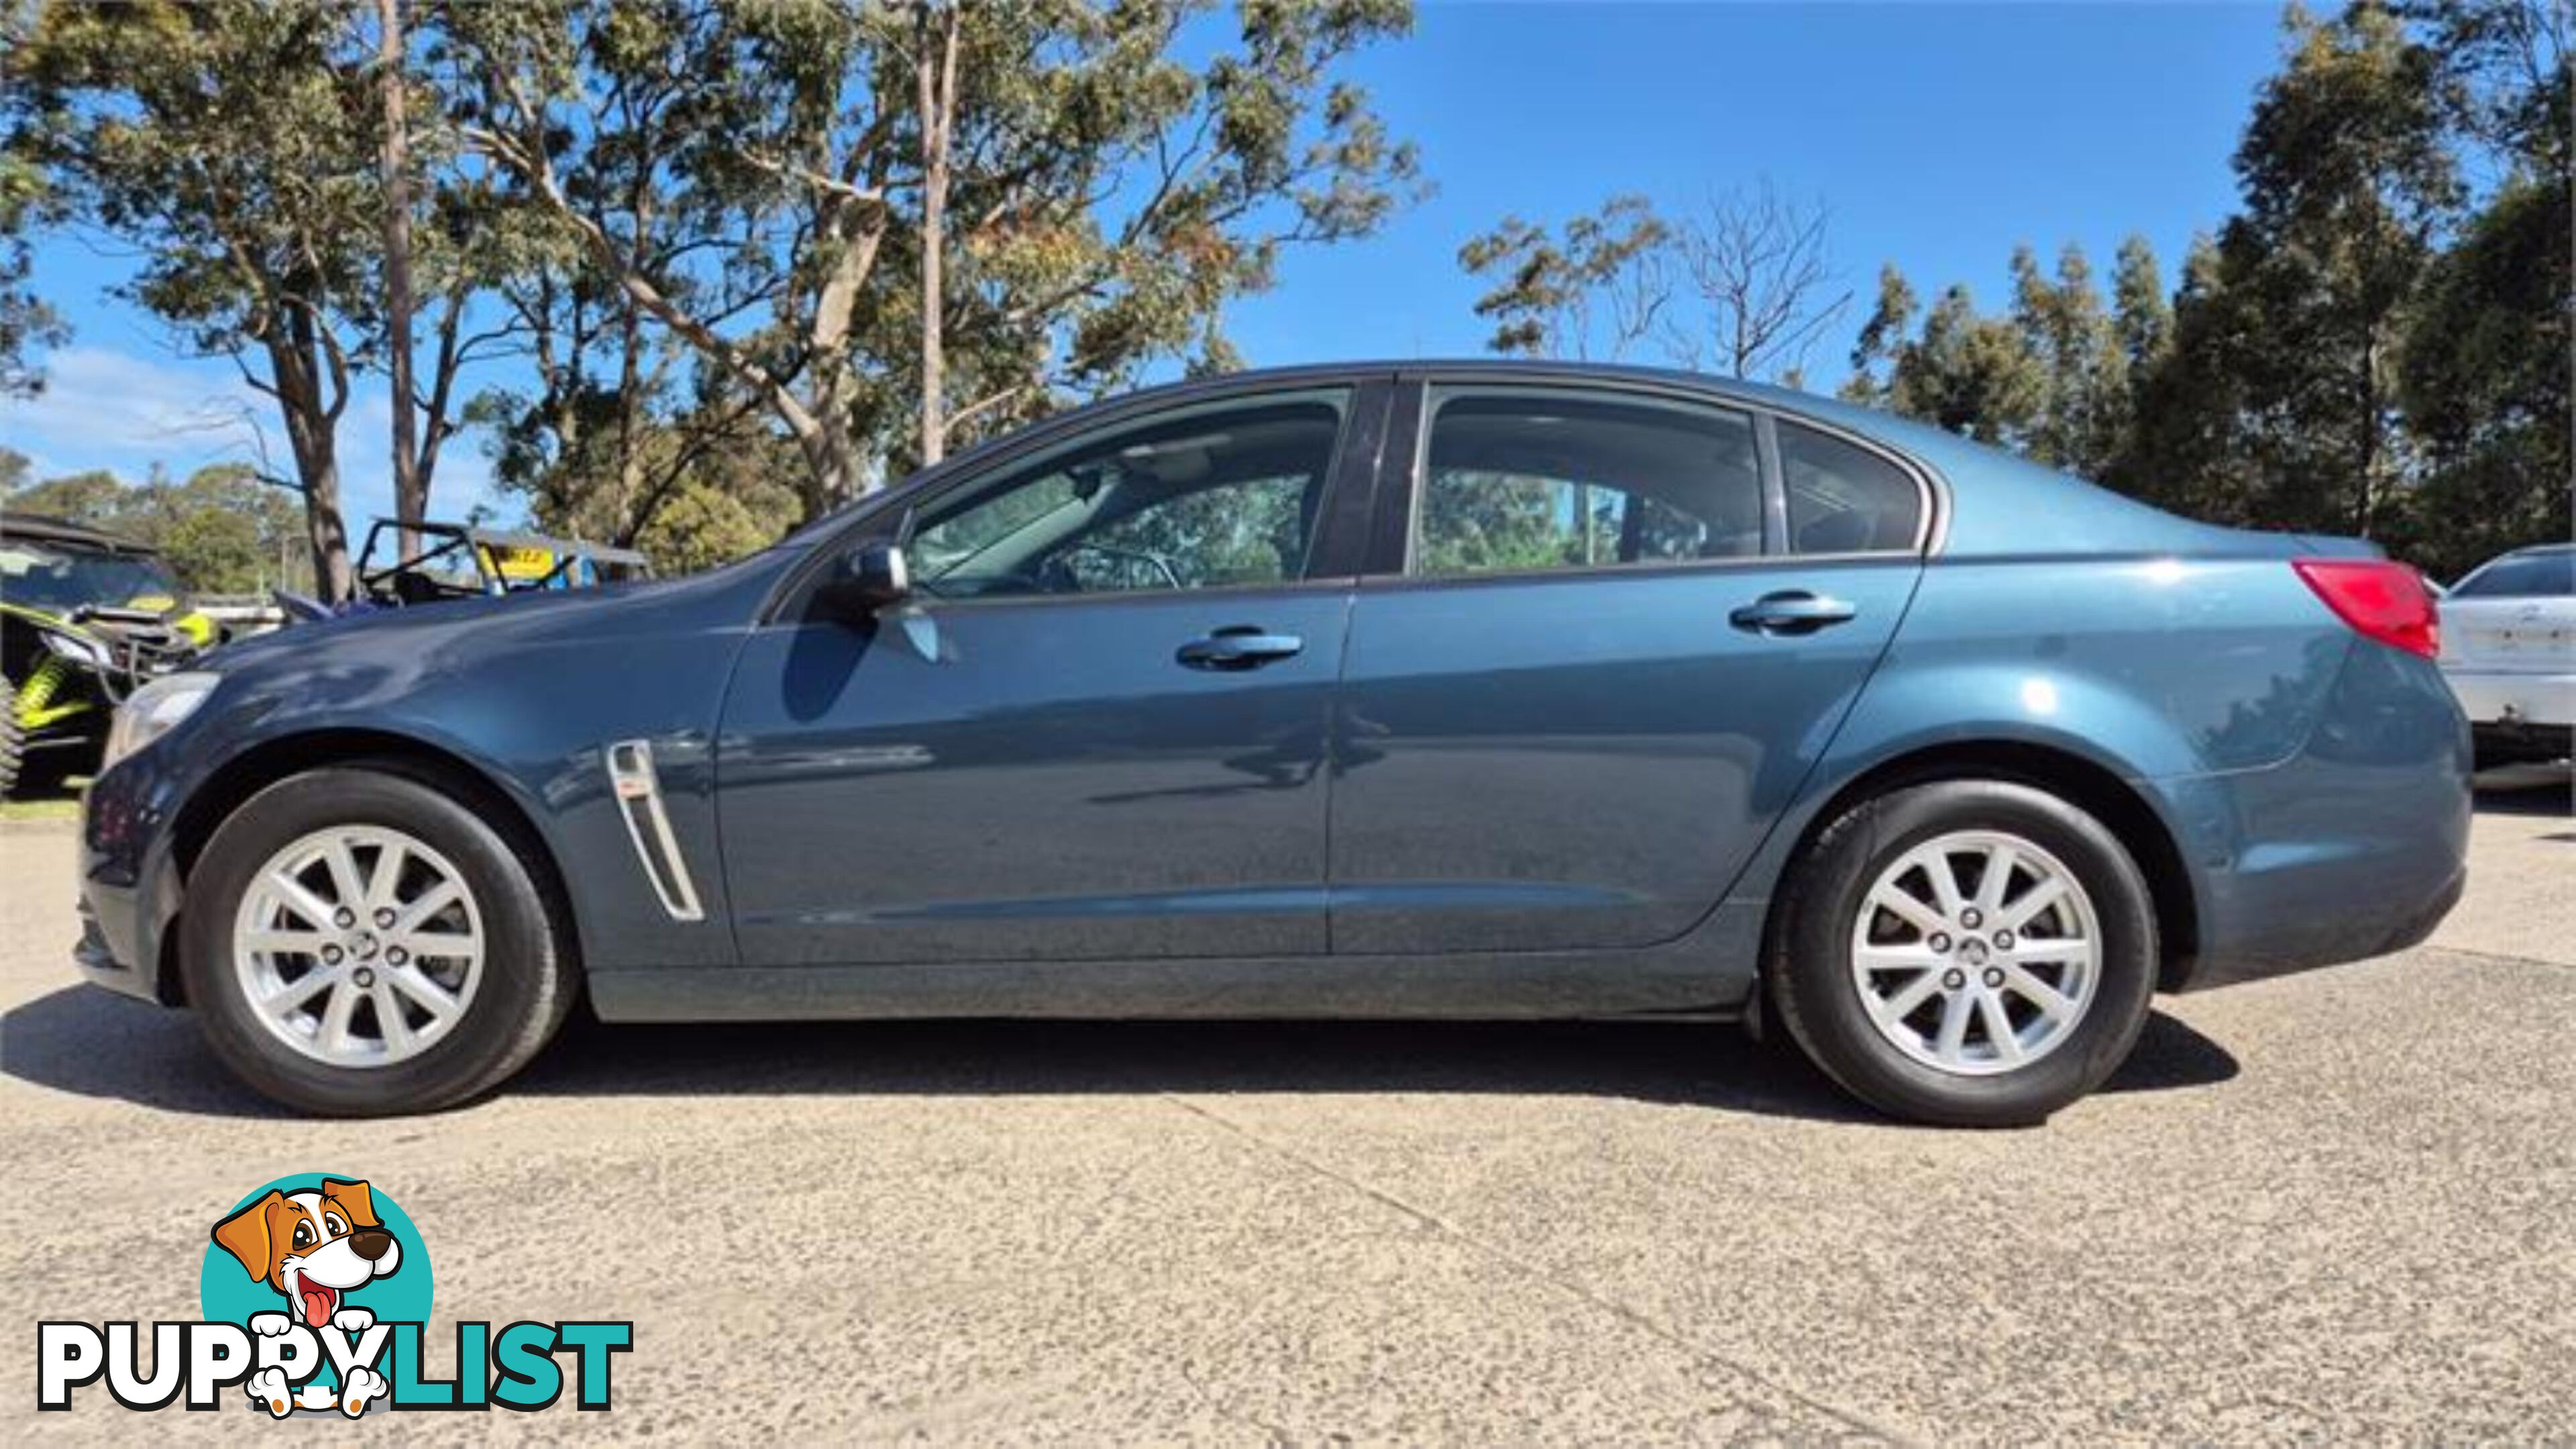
(638, 788)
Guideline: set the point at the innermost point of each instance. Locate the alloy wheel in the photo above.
(1976, 953)
(358, 946)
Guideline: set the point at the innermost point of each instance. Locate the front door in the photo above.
(1625, 628)
(1095, 731)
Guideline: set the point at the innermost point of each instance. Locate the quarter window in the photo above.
(1522, 481)
(1844, 498)
(1216, 496)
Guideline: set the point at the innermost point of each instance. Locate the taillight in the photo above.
(2379, 598)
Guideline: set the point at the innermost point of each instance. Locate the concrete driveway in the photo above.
(2338, 1207)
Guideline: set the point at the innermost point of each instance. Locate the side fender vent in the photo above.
(639, 798)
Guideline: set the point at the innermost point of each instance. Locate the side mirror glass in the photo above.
(871, 575)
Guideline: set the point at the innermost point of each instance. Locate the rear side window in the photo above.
(2528, 576)
(1844, 498)
(1526, 481)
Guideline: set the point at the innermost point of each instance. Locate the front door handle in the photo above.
(1238, 647)
(1792, 611)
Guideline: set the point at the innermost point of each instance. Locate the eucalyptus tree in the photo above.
(2083, 419)
(28, 323)
(890, 224)
(2348, 185)
(1602, 279)
(226, 144)
(254, 158)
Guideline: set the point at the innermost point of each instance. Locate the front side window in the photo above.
(1843, 498)
(1214, 497)
(1530, 481)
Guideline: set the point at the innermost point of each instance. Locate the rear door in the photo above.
(1613, 631)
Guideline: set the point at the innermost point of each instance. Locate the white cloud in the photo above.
(104, 408)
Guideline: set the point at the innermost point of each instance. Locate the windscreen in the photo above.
(58, 580)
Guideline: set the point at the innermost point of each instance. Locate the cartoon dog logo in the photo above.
(314, 1248)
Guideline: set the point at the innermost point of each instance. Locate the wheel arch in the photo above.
(255, 769)
(2085, 783)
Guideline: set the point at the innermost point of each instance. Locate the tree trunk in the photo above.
(831, 465)
(2364, 509)
(312, 434)
(411, 490)
(936, 72)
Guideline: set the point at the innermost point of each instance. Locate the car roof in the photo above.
(14, 524)
(1523, 368)
(1937, 449)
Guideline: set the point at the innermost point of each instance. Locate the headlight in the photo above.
(154, 710)
(75, 648)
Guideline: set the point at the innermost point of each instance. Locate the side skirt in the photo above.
(1708, 973)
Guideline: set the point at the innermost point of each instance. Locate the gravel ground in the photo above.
(2338, 1207)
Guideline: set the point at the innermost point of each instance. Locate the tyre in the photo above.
(1966, 953)
(357, 943)
(13, 740)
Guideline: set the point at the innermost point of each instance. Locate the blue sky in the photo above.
(1938, 136)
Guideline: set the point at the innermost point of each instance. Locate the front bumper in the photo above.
(129, 886)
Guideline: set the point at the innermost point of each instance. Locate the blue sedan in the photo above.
(1438, 690)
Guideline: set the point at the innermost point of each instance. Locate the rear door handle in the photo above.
(1792, 611)
(1238, 647)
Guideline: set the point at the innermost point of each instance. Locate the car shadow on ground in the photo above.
(90, 1042)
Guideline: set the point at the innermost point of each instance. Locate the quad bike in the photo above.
(463, 561)
(85, 616)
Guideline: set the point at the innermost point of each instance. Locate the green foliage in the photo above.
(227, 144)
(2142, 314)
(95, 497)
(1236, 533)
(700, 527)
(1548, 287)
(1479, 521)
(226, 139)
(1882, 336)
(749, 183)
(2347, 178)
(27, 323)
(1740, 284)
(2484, 383)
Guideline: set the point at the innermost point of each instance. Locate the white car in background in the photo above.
(2509, 650)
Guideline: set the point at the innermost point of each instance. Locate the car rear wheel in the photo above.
(1966, 952)
(357, 943)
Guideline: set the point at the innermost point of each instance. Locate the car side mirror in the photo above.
(871, 575)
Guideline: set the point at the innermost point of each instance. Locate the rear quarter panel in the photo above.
(2311, 781)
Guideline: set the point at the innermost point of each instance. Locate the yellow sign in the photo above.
(520, 563)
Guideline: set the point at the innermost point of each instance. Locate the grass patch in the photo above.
(58, 802)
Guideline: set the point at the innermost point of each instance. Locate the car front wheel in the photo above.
(1966, 952)
(358, 943)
